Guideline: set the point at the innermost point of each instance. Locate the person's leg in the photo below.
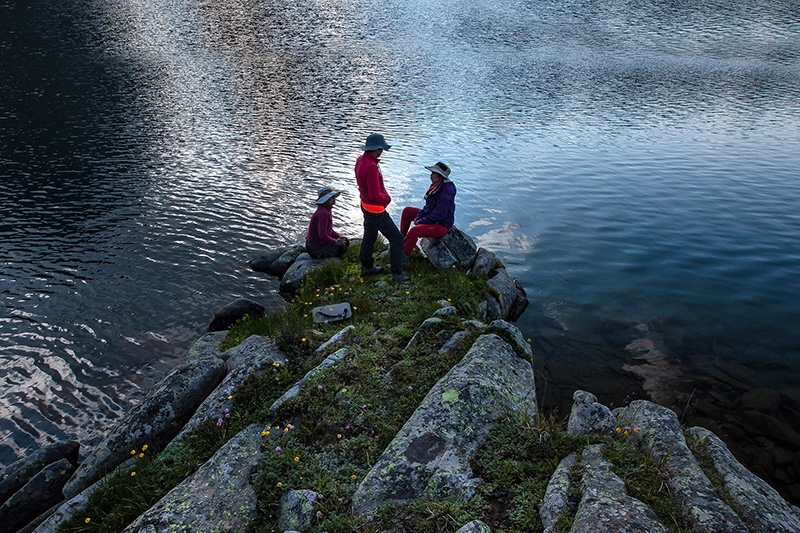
(388, 229)
(409, 213)
(368, 241)
(421, 230)
(321, 251)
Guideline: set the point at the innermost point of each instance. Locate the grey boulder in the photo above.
(216, 498)
(429, 457)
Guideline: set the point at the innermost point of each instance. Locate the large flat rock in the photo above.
(216, 498)
(429, 458)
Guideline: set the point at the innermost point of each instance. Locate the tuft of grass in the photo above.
(645, 479)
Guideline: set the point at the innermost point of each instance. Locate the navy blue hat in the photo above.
(375, 142)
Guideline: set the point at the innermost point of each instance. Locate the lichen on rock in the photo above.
(429, 457)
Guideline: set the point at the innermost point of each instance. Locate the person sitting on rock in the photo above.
(436, 218)
(321, 240)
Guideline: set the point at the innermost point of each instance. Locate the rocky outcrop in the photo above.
(660, 436)
(235, 311)
(218, 497)
(589, 417)
(277, 262)
(454, 250)
(37, 495)
(155, 420)
(556, 498)
(18, 474)
(331, 360)
(293, 277)
(506, 298)
(605, 505)
(296, 509)
(429, 458)
(762, 508)
(250, 356)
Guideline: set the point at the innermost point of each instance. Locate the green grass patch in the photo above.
(327, 438)
(645, 479)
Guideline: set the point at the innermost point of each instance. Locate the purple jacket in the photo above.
(440, 207)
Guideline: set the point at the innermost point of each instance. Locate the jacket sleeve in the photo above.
(444, 200)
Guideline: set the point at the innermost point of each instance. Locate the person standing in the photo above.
(437, 217)
(321, 239)
(374, 200)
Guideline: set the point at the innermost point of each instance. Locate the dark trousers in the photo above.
(382, 223)
(321, 251)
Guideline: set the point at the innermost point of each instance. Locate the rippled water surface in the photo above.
(634, 164)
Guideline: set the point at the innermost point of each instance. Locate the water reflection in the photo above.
(631, 162)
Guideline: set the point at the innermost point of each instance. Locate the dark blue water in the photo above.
(635, 165)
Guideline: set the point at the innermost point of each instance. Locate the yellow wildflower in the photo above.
(133, 474)
(141, 455)
(296, 458)
(144, 448)
(87, 520)
(353, 476)
(133, 452)
(279, 485)
(338, 435)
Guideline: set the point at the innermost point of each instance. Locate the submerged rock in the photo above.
(218, 497)
(429, 457)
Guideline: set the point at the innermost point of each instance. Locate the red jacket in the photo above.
(320, 229)
(370, 182)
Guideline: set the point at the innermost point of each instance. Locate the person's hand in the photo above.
(341, 240)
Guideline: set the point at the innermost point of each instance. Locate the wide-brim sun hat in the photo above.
(440, 168)
(326, 193)
(374, 142)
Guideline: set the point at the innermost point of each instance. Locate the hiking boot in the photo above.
(399, 278)
(371, 271)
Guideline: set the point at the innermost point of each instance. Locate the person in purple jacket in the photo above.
(436, 218)
(321, 240)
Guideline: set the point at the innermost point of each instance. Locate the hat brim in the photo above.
(438, 170)
(328, 196)
(373, 147)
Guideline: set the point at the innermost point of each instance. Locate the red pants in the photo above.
(419, 230)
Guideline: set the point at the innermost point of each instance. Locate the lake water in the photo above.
(635, 164)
